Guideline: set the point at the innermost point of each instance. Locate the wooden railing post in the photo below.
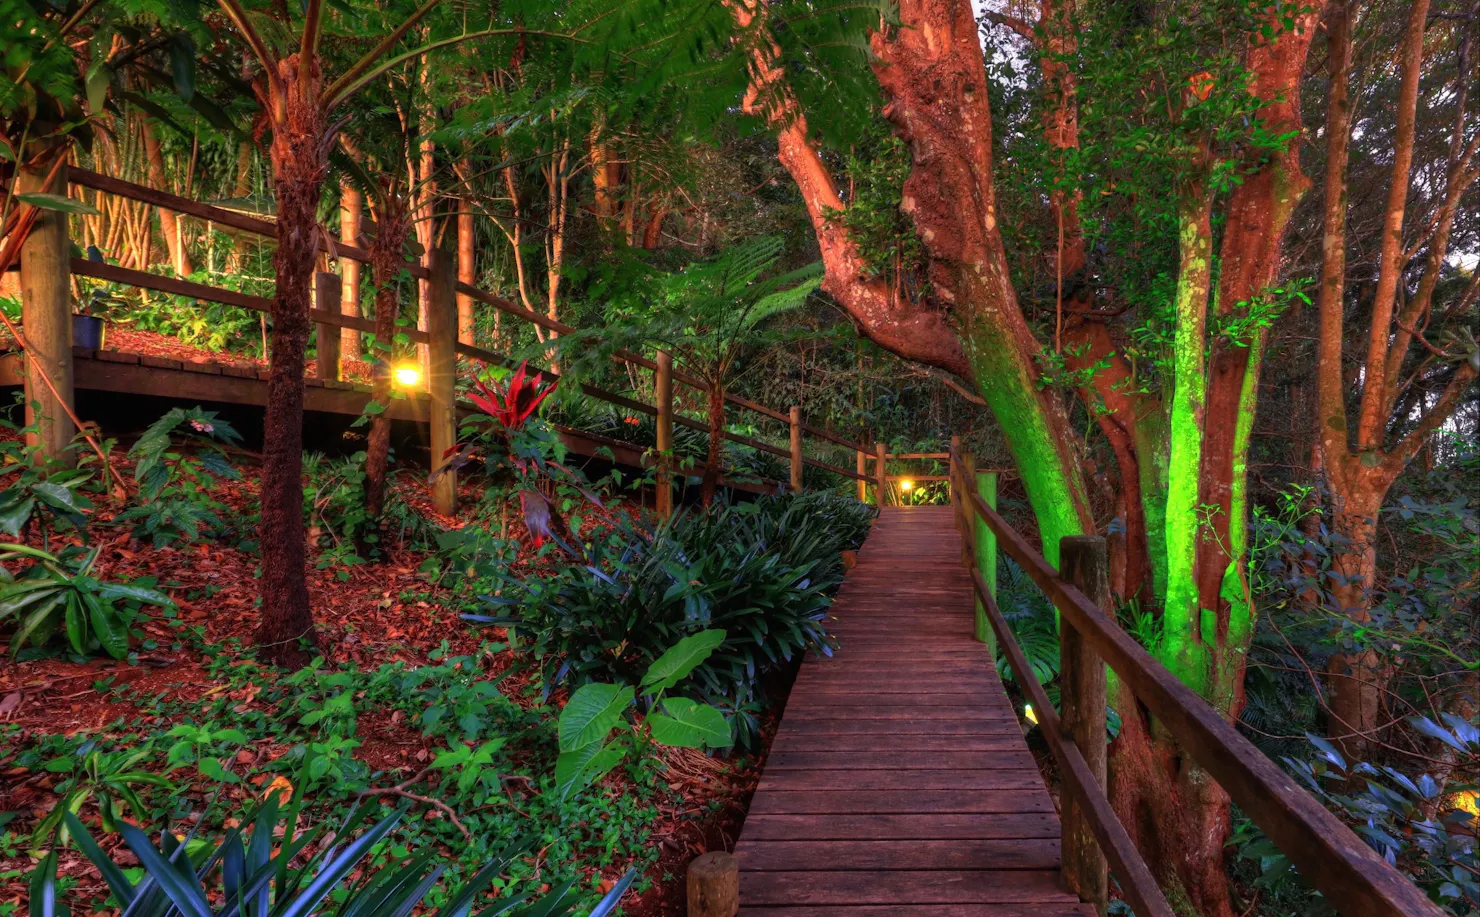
(663, 394)
(862, 475)
(881, 476)
(46, 322)
(985, 542)
(327, 289)
(796, 449)
(967, 480)
(442, 372)
(1084, 562)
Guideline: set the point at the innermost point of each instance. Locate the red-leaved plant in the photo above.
(519, 399)
(524, 452)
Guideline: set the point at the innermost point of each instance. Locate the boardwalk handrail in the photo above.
(346, 250)
(1347, 872)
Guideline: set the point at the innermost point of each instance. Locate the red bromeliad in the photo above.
(517, 402)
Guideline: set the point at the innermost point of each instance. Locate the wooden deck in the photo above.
(899, 782)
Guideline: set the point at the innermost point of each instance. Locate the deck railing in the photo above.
(440, 338)
(1352, 877)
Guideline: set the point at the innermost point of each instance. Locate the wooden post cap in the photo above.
(714, 885)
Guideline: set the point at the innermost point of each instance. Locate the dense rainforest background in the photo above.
(1199, 276)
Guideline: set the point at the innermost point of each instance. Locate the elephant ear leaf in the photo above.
(577, 769)
(681, 659)
(592, 712)
(685, 723)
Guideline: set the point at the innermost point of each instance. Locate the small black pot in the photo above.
(88, 331)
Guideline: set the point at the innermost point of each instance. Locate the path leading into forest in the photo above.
(899, 781)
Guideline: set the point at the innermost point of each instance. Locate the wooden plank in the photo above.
(949, 826)
(913, 887)
(894, 744)
(896, 802)
(790, 856)
(792, 780)
(1008, 756)
(907, 727)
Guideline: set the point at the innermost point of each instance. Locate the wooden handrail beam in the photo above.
(1136, 880)
(1331, 857)
(342, 249)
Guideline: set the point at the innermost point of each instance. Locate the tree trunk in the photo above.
(351, 206)
(170, 225)
(299, 164)
(714, 461)
(1354, 673)
(1175, 812)
(467, 269)
(385, 264)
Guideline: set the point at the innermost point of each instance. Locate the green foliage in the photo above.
(279, 867)
(111, 779)
(338, 522)
(1033, 620)
(884, 233)
(175, 501)
(761, 572)
(1408, 820)
(586, 751)
(55, 491)
(60, 592)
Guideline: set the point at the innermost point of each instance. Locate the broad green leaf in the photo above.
(681, 659)
(58, 202)
(592, 712)
(578, 769)
(111, 632)
(113, 592)
(55, 495)
(688, 724)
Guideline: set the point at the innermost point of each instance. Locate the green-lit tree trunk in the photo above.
(1188, 479)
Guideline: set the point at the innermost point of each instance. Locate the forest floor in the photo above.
(191, 666)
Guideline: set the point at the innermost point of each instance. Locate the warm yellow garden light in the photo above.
(906, 485)
(408, 375)
(1029, 714)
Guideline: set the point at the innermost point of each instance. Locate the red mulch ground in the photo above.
(360, 619)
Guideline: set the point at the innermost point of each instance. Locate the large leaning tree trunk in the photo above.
(933, 77)
(933, 74)
(1361, 468)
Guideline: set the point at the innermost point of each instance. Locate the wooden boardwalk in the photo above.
(899, 782)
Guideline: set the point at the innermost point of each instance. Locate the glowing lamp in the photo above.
(1029, 715)
(407, 376)
(1467, 801)
(906, 485)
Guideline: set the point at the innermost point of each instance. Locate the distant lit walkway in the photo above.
(899, 782)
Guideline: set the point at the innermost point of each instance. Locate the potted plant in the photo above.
(89, 330)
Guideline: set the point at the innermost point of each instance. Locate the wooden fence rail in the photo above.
(1349, 874)
(344, 249)
(332, 320)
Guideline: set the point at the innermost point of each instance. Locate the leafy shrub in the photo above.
(110, 778)
(340, 525)
(1405, 819)
(595, 709)
(268, 869)
(60, 592)
(174, 499)
(53, 489)
(762, 572)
